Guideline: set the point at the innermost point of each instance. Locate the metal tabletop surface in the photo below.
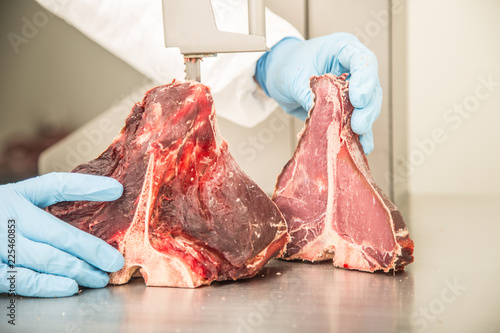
(451, 287)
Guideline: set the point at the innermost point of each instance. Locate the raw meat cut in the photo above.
(188, 214)
(333, 207)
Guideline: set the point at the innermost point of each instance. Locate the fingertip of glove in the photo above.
(366, 141)
(69, 287)
(359, 126)
(368, 149)
(100, 282)
(359, 96)
(115, 188)
(118, 263)
(309, 103)
(115, 261)
(55, 286)
(109, 189)
(298, 112)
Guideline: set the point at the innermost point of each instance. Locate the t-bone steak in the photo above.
(333, 207)
(188, 214)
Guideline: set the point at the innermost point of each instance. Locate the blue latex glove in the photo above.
(52, 257)
(284, 74)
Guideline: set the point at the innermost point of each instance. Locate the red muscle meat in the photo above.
(333, 207)
(188, 214)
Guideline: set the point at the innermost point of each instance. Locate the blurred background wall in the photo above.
(454, 97)
(54, 80)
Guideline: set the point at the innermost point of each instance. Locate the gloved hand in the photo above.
(52, 257)
(284, 74)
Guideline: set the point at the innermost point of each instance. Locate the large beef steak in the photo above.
(188, 215)
(333, 207)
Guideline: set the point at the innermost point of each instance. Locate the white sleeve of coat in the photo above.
(133, 31)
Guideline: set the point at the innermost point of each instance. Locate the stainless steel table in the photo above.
(453, 286)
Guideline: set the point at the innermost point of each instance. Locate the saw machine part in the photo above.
(192, 66)
(203, 38)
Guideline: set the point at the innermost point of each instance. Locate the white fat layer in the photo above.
(402, 232)
(169, 271)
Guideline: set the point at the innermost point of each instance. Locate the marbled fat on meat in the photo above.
(333, 207)
(188, 214)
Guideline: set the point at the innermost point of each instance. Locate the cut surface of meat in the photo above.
(333, 207)
(188, 214)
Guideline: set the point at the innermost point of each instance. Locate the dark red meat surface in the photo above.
(188, 215)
